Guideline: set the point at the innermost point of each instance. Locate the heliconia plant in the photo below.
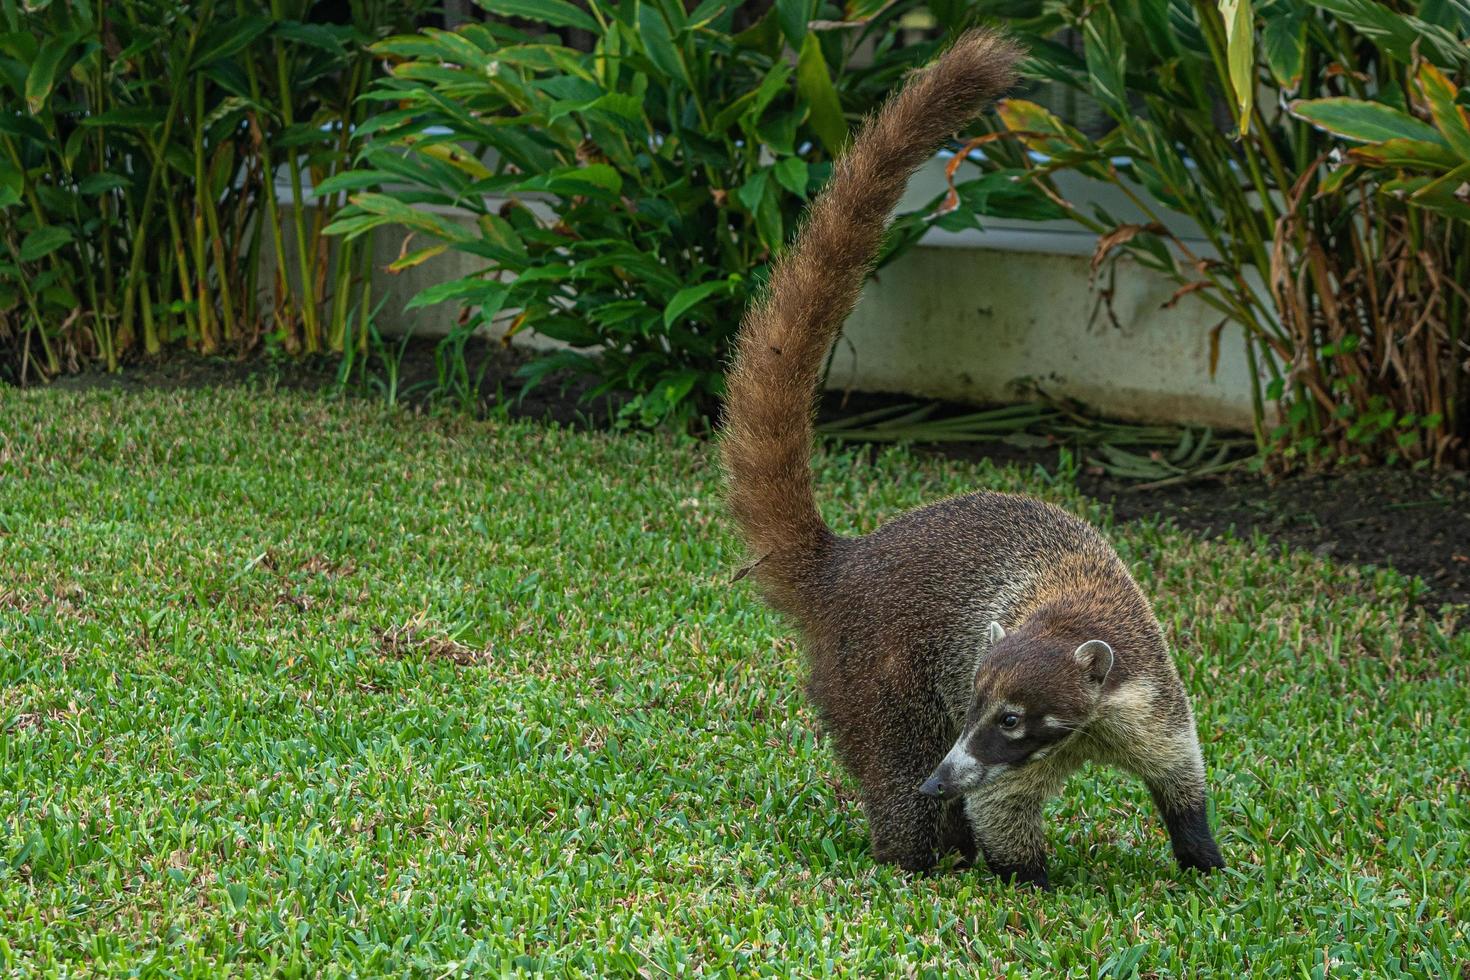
(1317, 147)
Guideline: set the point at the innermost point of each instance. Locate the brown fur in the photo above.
(785, 336)
(896, 622)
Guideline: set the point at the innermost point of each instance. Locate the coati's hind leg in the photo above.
(1176, 779)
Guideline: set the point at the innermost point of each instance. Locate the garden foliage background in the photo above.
(632, 167)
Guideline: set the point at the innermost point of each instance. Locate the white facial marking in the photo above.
(965, 771)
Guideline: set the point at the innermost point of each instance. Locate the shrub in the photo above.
(1350, 295)
(139, 143)
(625, 200)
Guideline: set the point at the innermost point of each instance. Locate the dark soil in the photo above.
(1417, 523)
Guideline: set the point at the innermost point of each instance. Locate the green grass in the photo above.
(289, 686)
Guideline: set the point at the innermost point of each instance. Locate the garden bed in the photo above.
(1416, 523)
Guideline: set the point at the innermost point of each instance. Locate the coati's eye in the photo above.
(1010, 721)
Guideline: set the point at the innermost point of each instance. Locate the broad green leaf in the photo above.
(476, 289)
(229, 38)
(574, 180)
(351, 225)
(43, 71)
(706, 12)
(1453, 15)
(558, 13)
(673, 389)
(455, 156)
(129, 117)
(1105, 52)
(691, 296)
(411, 217)
(658, 42)
(1411, 154)
(1401, 35)
(1240, 56)
(753, 191)
(1449, 117)
(322, 37)
(1001, 195)
(1365, 122)
(101, 183)
(793, 16)
(43, 241)
(12, 183)
(1283, 46)
(618, 103)
(1445, 184)
(764, 35)
(352, 180)
(791, 173)
(1040, 131)
(501, 235)
(416, 257)
(814, 82)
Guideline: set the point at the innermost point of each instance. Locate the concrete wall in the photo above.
(966, 316)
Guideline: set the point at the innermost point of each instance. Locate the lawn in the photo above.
(301, 687)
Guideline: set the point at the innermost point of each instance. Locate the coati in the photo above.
(967, 656)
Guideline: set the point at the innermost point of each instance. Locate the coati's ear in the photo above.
(997, 632)
(1096, 657)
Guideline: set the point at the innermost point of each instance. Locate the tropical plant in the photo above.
(139, 144)
(1350, 296)
(625, 200)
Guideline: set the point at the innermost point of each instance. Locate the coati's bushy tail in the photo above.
(767, 432)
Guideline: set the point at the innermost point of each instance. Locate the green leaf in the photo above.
(475, 288)
(763, 36)
(228, 39)
(129, 117)
(793, 16)
(690, 296)
(557, 13)
(43, 241)
(351, 180)
(617, 103)
(1240, 56)
(673, 389)
(1453, 15)
(44, 69)
(1103, 47)
(319, 36)
(814, 82)
(792, 174)
(101, 183)
(1411, 154)
(1283, 46)
(1398, 34)
(658, 42)
(574, 180)
(1451, 119)
(1365, 122)
(753, 190)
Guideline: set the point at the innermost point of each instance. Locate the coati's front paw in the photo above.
(1204, 858)
(1023, 875)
